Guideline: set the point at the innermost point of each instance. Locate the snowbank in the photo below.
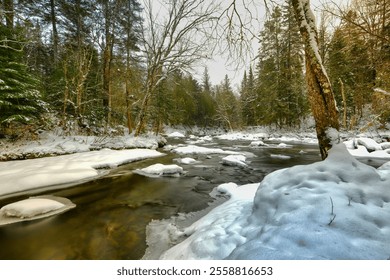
(23, 175)
(50, 144)
(334, 209)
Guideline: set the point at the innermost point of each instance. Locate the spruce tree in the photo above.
(20, 99)
(279, 81)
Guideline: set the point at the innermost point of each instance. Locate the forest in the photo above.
(103, 66)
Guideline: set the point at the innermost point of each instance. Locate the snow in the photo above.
(334, 209)
(193, 149)
(370, 144)
(364, 151)
(25, 175)
(199, 140)
(278, 156)
(34, 208)
(186, 160)
(243, 136)
(30, 207)
(49, 144)
(283, 145)
(385, 145)
(257, 144)
(382, 91)
(176, 135)
(158, 170)
(235, 160)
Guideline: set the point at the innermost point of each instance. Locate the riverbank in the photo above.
(50, 144)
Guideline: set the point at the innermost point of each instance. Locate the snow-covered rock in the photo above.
(283, 145)
(30, 207)
(370, 144)
(176, 135)
(186, 160)
(258, 143)
(235, 160)
(34, 208)
(385, 145)
(158, 169)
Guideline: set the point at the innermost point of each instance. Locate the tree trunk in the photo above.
(9, 13)
(55, 32)
(107, 61)
(320, 93)
(344, 103)
(142, 115)
(106, 81)
(129, 104)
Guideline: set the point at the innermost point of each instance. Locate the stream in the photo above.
(113, 211)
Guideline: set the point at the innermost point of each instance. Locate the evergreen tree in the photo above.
(20, 99)
(248, 99)
(279, 83)
(228, 113)
(206, 85)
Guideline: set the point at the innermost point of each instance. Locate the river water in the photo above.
(113, 211)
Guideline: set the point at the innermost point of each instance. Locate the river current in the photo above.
(113, 211)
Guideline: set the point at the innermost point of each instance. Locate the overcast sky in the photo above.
(219, 66)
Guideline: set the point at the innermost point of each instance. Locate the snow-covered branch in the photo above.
(379, 90)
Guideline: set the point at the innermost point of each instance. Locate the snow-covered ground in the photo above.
(49, 144)
(334, 209)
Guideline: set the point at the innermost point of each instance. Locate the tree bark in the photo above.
(344, 103)
(320, 93)
(107, 60)
(9, 13)
(55, 32)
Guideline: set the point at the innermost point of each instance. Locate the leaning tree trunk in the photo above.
(320, 93)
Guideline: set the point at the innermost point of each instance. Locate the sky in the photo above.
(222, 65)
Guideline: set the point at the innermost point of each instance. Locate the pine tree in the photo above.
(206, 85)
(279, 81)
(248, 99)
(20, 99)
(228, 113)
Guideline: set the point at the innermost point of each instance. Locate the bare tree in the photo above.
(176, 35)
(320, 92)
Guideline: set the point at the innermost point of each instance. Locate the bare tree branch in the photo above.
(177, 35)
